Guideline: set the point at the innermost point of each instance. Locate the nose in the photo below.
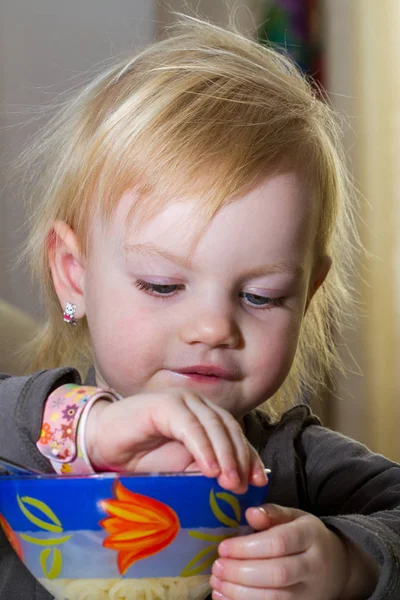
(213, 330)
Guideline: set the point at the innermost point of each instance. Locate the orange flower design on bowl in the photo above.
(11, 536)
(138, 526)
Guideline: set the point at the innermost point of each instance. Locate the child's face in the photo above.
(225, 323)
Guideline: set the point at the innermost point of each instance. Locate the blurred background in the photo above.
(348, 46)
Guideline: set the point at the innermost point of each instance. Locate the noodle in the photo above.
(137, 589)
(157, 588)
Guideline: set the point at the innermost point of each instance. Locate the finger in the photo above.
(225, 590)
(220, 440)
(239, 449)
(250, 466)
(270, 515)
(240, 445)
(258, 474)
(283, 540)
(197, 441)
(271, 573)
(187, 428)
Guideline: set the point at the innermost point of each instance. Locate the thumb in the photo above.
(266, 516)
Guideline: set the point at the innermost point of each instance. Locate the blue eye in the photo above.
(157, 289)
(260, 301)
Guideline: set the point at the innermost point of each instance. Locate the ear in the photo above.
(318, 276)
(66, 266)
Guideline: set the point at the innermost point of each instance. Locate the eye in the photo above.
(257, 301)
(158, 289)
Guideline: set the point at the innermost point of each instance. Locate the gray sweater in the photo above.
(317, 470)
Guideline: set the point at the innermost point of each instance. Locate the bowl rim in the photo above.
(108, 475)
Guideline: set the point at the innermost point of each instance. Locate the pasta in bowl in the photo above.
(122, 537)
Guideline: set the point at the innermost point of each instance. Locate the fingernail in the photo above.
(223, 549)
(233, 474)
(260, 510)
(218, 596)
(261, 476)
(215, 582)
(218, 568)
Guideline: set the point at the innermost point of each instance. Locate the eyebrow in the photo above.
(145, 250)
(286, 267)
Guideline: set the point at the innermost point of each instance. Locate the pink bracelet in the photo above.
(62, 438)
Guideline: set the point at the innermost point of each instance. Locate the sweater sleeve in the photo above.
(356, 493)
(21, 410)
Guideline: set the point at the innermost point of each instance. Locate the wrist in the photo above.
(91, 435)
(363, 573)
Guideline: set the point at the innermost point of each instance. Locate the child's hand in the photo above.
(176, 430)
(293, 557)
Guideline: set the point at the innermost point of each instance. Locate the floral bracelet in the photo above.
(62, 438)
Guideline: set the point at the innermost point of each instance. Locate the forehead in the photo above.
(276, 215)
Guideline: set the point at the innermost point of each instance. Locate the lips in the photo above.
(208, 371)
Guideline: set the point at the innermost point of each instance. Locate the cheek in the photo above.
(273, 354)
(126, 355)
(126, 340)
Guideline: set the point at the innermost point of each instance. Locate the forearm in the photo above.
(357, 493)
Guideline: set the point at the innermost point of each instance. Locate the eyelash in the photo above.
(155, 289)
(269, 302)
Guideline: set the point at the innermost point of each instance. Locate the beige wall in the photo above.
(46, 46)
(364, 68)
(348, 410)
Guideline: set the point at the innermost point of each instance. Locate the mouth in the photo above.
(205, 373)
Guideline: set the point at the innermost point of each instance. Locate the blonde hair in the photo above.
(204, 110)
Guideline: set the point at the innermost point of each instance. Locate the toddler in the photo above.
(193, 234)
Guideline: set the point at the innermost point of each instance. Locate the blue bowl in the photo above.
(122, 537)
